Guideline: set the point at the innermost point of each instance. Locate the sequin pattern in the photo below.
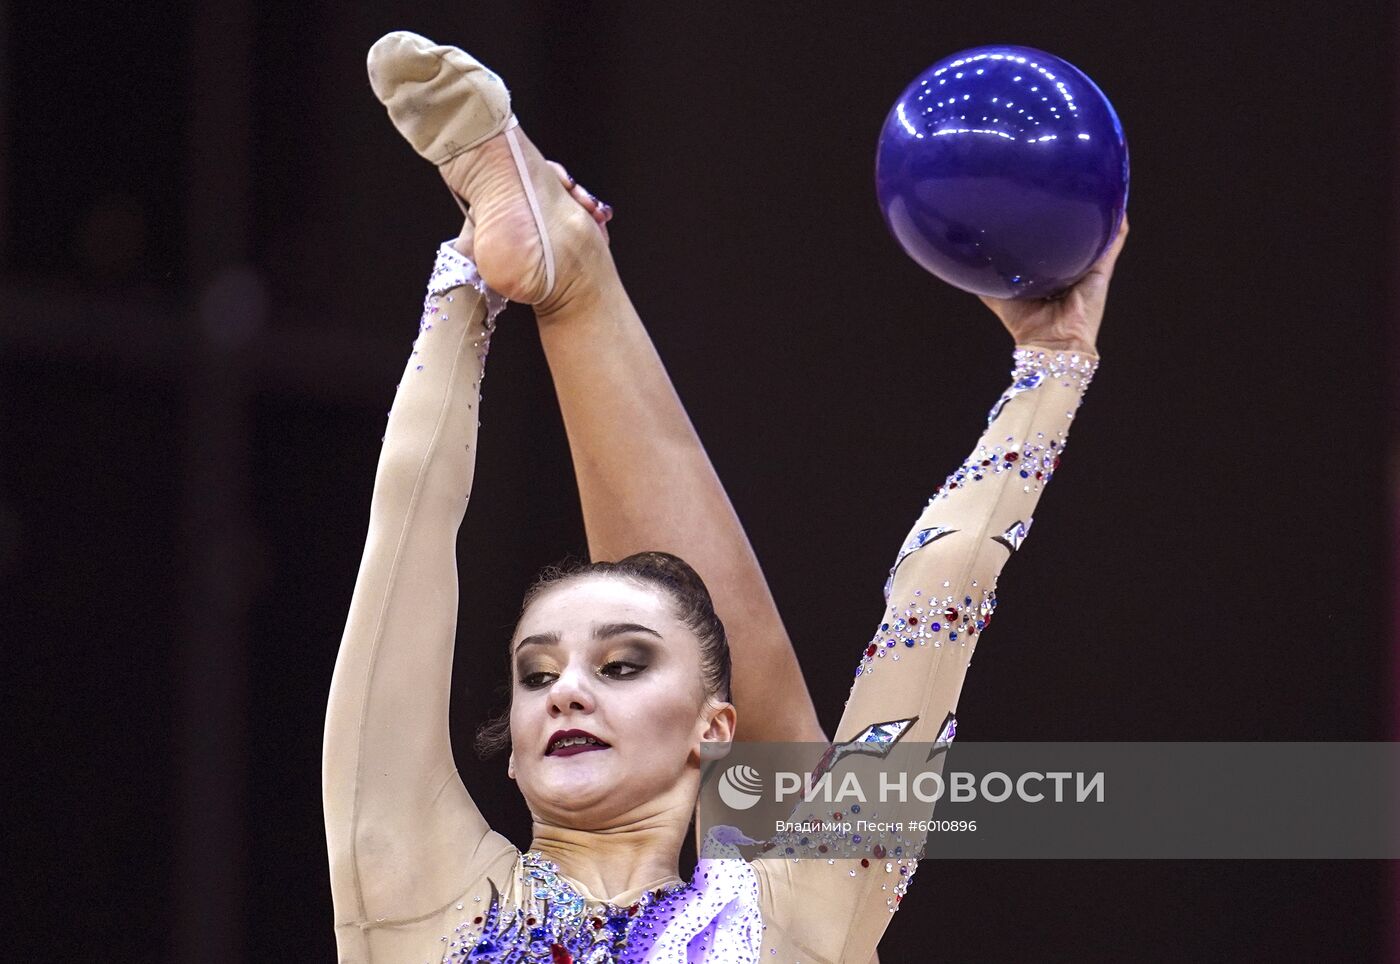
(955, 615)
(891, 854)
(929, 620)
(1032, 459)
(714, 917)
(837, 832)
(933, 619)
(559, 924)
(453, 270)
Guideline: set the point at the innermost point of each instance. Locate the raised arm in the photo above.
(940, 600)
(403, 834)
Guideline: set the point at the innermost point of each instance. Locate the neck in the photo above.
(637, 854)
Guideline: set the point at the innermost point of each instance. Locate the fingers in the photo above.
(1104, 266)
(1116, 247)
(602, 213)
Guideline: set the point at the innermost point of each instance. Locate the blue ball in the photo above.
(1003, 170)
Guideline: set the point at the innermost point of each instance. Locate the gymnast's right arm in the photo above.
(404, 837)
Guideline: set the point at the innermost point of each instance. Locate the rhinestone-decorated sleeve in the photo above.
(388, 771)
(939, 600)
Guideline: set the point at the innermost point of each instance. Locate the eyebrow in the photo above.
(609, 630)
(539, 639)
(603, 631)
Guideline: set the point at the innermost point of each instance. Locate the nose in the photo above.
(571, 693)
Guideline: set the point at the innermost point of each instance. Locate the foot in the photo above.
(456, 113)
(600, 212)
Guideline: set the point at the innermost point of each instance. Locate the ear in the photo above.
(510, 765)
(719, 722)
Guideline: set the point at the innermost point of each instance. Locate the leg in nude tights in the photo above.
(644, 479)
(645, 482)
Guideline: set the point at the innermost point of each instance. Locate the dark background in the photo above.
(214, 251)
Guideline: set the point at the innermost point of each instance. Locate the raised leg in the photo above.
(645, 482)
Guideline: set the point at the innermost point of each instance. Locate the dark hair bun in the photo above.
(663, 566)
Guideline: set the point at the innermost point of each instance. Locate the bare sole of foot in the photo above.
(601, 212)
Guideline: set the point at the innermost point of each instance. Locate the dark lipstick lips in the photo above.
(576, 748)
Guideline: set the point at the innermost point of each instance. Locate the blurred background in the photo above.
(214, 250)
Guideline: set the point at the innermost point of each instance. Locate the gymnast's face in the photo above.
(609, 715)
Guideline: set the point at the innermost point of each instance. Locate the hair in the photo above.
(661, 570)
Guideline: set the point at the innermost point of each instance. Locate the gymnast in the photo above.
(623, 680)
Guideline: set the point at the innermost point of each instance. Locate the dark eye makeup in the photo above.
(622, 669)
(632, 658)
(615, 669)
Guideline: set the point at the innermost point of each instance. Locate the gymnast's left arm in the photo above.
(940, 599)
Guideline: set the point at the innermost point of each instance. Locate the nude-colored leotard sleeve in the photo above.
(404, 837)
(940, 600)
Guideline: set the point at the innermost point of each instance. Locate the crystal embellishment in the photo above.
(1014, 535)
(916, 541)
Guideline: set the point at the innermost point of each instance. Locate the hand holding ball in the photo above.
(1004, 171)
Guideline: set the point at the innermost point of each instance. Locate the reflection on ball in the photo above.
(1004, 171)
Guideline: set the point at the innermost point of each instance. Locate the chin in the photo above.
(572, 788)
